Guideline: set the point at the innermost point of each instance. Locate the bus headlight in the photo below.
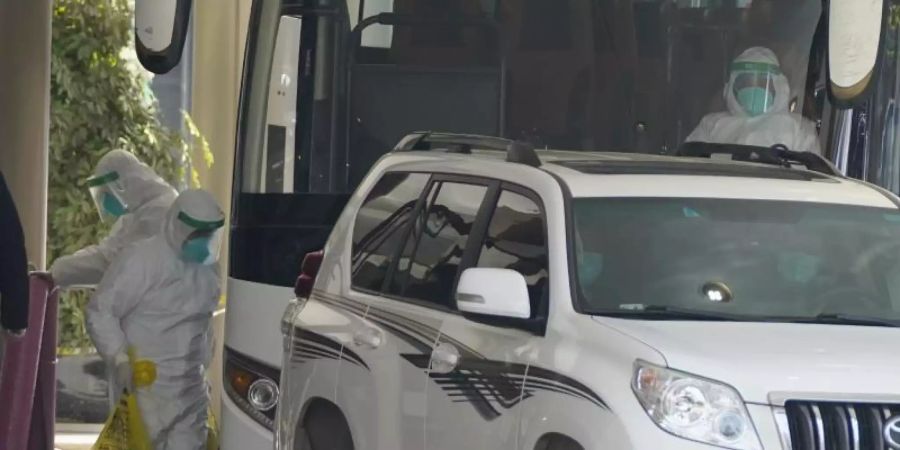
(252, 386)
(694, 408)
(263, 394)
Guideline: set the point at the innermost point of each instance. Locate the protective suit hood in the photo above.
(139, 183)
(782, 86)
(194, 209)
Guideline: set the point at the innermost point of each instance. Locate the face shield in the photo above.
(200, 240)
(753, 85)
(107, 193)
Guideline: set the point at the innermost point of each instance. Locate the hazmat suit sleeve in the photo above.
(120, 291)
(87, 266)
(703, 132)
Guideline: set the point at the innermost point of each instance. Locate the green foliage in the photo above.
(100, 101)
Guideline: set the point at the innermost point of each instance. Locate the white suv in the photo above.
(470, 298)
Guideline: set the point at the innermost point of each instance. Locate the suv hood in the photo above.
(766, 360)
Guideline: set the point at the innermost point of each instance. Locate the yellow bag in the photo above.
(125, 429)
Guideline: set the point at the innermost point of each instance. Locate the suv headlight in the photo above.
(694, 408)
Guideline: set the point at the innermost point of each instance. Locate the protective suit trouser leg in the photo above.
(175, 423)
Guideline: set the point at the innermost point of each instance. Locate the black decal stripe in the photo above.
(477, 380)
(539, 373)
(300, 343)
(407, 327)
(308, 346)
(316, 352)
(540, 384)
(352, 357)
(306, 335)
(413, 341)
(426, 334)
(462, 386)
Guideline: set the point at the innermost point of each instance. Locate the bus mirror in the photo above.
(160, 30)
(855, 29)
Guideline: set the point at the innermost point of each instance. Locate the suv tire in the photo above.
(555, 441)
(324, 428)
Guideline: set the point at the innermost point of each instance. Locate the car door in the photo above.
(372, 377)
(477, 369)
(423, 279)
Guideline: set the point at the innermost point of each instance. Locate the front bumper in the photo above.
(240, 432)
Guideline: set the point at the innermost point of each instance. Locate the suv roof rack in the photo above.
(516, 151)
(776, 155)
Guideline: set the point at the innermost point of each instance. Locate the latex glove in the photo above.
(123, 374)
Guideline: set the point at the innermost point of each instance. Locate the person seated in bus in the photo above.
(127, 191)
(155, 304)
(758, 96)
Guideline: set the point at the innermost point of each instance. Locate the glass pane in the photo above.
(271, 168)
(744, 257)
(515, 240)
(442, 241)
(381, 225)
(636, 75)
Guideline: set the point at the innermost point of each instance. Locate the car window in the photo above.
(516, 240)
(436, 249)
(381, 226)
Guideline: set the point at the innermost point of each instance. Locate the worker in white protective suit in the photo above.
(124, 190)
(758, 97)
(156, 303)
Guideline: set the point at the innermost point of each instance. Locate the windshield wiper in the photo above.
(849, 319)
(661, 312)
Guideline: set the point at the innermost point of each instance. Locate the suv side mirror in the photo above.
(493, 292)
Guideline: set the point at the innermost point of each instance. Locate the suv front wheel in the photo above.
(323, 428)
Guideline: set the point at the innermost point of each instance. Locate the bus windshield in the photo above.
(332, 85)
(638, 75)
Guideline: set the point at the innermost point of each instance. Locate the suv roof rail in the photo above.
(777, 155)
(516, 151)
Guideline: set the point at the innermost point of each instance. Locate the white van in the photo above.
(471, 298)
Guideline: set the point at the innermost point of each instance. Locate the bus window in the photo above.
(377, 36)
(271, 168)
(285, 205)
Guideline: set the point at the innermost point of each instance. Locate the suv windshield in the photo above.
(736, 259)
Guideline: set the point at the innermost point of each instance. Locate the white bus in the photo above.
(331, 85)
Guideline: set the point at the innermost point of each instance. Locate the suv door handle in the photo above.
(444, 358)
(369, 337)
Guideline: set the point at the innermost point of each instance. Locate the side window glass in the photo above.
(516, 240)
(443, 232)
(381, 225)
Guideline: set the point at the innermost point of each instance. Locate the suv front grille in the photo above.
(838, 426)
